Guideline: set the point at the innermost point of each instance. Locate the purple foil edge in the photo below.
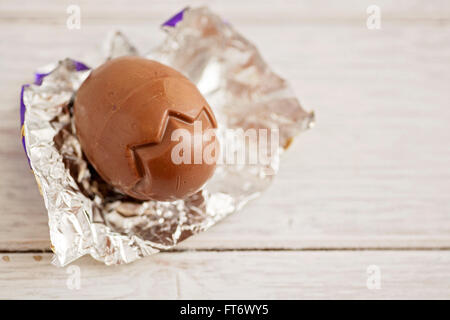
(172, 22)
(22, 120)
(38, 78)
(22, 104)
(80, 66)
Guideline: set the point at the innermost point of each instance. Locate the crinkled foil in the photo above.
(86, 216)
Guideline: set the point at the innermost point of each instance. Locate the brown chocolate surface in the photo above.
(125, 113)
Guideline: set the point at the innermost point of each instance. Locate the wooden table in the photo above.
(364, 196)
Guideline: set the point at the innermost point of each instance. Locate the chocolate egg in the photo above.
(126, 113)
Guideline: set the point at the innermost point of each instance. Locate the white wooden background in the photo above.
(369, 185)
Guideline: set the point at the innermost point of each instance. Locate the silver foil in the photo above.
(86, 216)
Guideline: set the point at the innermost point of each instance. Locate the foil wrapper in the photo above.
(86, 216)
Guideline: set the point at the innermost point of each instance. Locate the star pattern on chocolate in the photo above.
(138, 162)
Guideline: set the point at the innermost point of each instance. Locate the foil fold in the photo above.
(86, 216)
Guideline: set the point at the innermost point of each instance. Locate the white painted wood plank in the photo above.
(256, 11)
(373, 173)
(234, 275)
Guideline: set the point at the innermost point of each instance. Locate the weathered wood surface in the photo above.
(373, 173)
(234, 275)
